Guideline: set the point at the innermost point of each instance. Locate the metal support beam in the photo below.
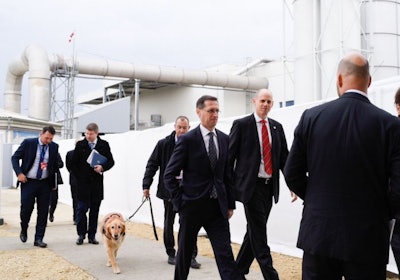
(137, 89)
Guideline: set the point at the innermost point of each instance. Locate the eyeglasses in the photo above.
(213, 111)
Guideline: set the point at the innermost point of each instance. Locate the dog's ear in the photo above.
(108, 228)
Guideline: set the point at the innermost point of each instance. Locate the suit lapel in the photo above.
(274, 136)
(221, 153)
(200, 140)
(253, 132)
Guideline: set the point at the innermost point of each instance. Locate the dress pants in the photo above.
(205, 213)
(82, 225)
(32, 190)
(74, 195)
(324, 268)
(395, 243)
(168, 233)
(53, 201)
(255, 244)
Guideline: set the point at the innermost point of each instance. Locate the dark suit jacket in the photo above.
(190, 155)
(68, 163)
(245, 156)
(90, 183)
(159, 159)
(27, 153)
(343, 155)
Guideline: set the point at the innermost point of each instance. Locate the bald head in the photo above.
(263, 102)
(353, 73)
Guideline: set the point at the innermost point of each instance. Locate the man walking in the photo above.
(90, 182)
(35, 164)
(257, 151)
(345, 164)
(204, 197)
(73, 182)
(159, 159)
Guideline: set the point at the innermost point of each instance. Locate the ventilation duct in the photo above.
(39, 64)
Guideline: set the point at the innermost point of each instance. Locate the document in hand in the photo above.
(95, 158)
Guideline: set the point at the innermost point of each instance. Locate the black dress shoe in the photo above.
(40, 243)
(93, 241)
(23, 236)
(79, 241)
(51, 218)
(194, 264)
(171, 260)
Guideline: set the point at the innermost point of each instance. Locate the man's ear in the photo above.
(339, 81)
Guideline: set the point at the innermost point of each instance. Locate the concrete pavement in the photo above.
(138, 258)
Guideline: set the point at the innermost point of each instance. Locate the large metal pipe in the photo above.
(35, 60)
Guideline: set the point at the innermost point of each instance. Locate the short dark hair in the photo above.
(397, 97)
(92, 127)
(50, 129)
(182, 118)
(200, 102)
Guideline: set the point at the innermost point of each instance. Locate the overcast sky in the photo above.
(181, 33)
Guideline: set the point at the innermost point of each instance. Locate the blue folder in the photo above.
(95, 158)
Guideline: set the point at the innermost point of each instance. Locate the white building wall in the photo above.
(111, 117)
(169, 102)
(281, 81)
(172, 101)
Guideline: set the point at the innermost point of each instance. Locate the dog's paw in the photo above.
(116, 270)
(108, 264)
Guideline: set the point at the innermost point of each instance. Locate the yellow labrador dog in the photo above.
(113, 232)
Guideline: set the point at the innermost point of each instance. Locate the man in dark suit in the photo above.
(344, 163)
(54, 191)
(257, 151)
(395, 241)
(159, 159)
(73, 182)
(90, 182)
(204, 197)
(36, 173)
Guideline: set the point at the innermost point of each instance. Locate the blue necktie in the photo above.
(212, 154)
(42, 153)
(91, 145)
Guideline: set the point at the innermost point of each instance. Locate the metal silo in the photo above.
(381, 24)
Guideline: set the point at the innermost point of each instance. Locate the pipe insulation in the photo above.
(39, 64)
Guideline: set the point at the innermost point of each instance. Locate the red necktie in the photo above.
(266, 148)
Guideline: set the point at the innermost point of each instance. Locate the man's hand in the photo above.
(230, 213)
(146, 193)
(22, 178)
(98, 169)
(294, 196)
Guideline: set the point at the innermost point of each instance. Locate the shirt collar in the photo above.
(204, 131)
(357, 91)
(258, 119)
(40, 142)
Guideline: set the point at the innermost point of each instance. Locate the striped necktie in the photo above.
(266, 148)
(212, 151)
(212, 154)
